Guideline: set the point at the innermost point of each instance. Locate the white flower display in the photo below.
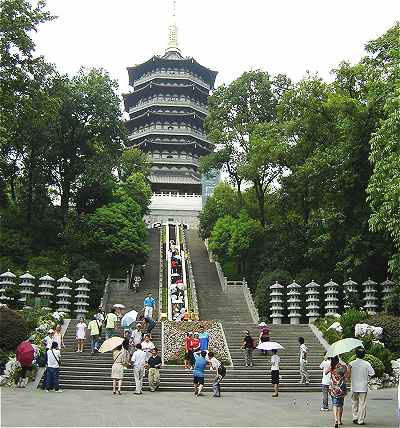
(361, 330)
(11, 366)
(336, 326)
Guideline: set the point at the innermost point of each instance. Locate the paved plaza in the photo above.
(100, 408)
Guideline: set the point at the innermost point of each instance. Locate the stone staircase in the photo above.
(86, 371)
(231, 310)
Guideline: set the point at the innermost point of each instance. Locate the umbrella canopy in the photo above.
(119, 306)
(129, 318)
(262, 324)
(174, 274)
(110, 344)
(268, 346)
(343, 346)
(25, 353)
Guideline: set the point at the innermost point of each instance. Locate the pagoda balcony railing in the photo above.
(171, 75)
(176, 161)
(176, 131)
(178, 102)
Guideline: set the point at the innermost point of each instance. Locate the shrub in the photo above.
(392, 305)
(324, 322)
(13, 329)
(391, 330)
(375, 362)
(349, 319)
(384, 354)
(332, 336)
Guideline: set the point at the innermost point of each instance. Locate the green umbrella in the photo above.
(343, 346)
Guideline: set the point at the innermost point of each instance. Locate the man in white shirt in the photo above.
(220, 372)
(360, 371)
(304, 376)
(138, 362)
(325, 382)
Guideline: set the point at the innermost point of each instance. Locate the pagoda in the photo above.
(167, 108)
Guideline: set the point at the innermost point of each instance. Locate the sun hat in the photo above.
(51, 331)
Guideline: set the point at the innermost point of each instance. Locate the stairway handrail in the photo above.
(250, 302)
(222, 279)
(161, 277)
(106, 293)
(226, 344)
(191, 279)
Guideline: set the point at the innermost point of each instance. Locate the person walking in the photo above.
(360, 372)
(58, 337)
(94, 327)
(49, 339)
(147, 346)
(53, 368)
(25, 355)
(154, 364)
(110, 321)
(198, 371)
(248, 347)
(304, 375)
(120, 356)
(275, 360)
(325, 382)
(149, 305)
(204, 338)
(136, 337)
(220, 372)
(150, 324)
(80, 334)
(338, 387)
(138, 362)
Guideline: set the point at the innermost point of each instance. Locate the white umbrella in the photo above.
(343, 346)
(175, 274)
(118, 306)
(268, 346)
(262, 324)
(110, 344)
(129, 318)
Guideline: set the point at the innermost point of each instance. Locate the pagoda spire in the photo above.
(173, 45)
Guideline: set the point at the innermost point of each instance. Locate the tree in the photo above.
(234, 112)
(134, 160)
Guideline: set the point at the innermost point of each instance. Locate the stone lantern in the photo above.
(388, 286)
(63, 294)
(7, 280)
(276, 301)
(370, 298)
(294, 302)
(27, 289)
(331, 298)
(46, 292)
(82, 297)
(312, 300)
(350, 293)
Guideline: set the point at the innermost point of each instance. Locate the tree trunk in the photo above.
(261, 202)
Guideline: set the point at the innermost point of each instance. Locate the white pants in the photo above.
(359, 406)
(138, 373)
(148, 312)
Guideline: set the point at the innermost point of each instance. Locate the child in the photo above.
(275, 372)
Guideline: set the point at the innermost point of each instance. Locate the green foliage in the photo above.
(392, 304)
(350, 318)
(375, 362)
(13, 329)
(133, 161)
(391, 329)
(332, 336)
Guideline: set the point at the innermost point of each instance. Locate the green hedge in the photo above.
(350, 318)
(331, 336)
(375, 362)
(391, 330)
(13, 329)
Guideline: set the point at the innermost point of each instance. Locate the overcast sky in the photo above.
(230, 36)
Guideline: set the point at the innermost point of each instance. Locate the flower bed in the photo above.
(174, 340)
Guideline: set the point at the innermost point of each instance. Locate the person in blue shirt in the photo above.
(198, 371)
(204, 338)
(149, 305)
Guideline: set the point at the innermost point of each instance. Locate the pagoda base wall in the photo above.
(189, 218)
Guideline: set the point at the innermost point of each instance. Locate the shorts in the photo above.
(337, 401)
(275, 377)
(198, 380)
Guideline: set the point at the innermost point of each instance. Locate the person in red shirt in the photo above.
(188, 349)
